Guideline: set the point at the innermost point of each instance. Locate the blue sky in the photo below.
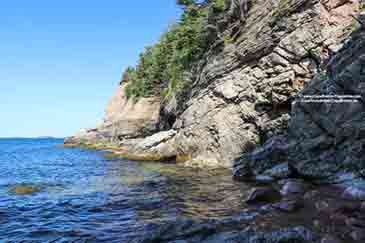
(60, 61)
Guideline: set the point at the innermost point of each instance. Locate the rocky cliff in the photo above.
(325, 139)
(242, 94)
(126, 119)
(123, 119)
(263, 53)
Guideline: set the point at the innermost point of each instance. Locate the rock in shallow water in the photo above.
(281, 171)
(293, 187)
(289, 206)
(204, 233)
(358, 234)
(355, 222)
(354, 193)
(287, 235)
(330, 239)
(263, 194)
(263, 159)
(336, 206)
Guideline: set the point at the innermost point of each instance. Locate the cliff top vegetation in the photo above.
(165, 68)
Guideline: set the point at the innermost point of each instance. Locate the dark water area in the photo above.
(83, 197)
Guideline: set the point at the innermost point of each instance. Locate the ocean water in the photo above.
(83, 197)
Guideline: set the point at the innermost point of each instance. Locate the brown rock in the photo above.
(126, 118)
(24, 190)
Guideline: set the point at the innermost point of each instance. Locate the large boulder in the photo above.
(330, 136)
(267, 160)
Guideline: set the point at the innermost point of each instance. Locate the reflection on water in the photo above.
(84, 196)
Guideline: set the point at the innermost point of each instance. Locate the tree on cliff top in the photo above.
(164, 68)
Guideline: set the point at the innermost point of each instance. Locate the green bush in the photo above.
(164, 68)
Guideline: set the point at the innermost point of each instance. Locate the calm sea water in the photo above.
(84, 197)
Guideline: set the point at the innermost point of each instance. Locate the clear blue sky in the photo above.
(60, 61)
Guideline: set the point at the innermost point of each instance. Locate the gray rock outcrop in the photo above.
(326, 135)
(242, 95)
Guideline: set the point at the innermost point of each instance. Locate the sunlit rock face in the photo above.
(125, 118)
(242, 95)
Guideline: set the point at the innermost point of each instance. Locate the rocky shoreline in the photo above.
(289, 211)
(246, 110)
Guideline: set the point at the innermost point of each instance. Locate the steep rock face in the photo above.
(124, 119)
(326, 139)
(242, 94)
(336, 141)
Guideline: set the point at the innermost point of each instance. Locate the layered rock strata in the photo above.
(242, 89)
(326, 136)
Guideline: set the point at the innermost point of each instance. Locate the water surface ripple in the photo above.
(84, 197)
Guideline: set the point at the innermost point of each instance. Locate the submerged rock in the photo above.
(24, 190)
(187, 231)
(287, 235)
(294, 187)
(289, 206)
(358, 234)
(330, 239)
(355, 222)
(333, 206)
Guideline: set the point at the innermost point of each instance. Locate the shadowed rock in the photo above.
(325, 140)
(262, 194)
